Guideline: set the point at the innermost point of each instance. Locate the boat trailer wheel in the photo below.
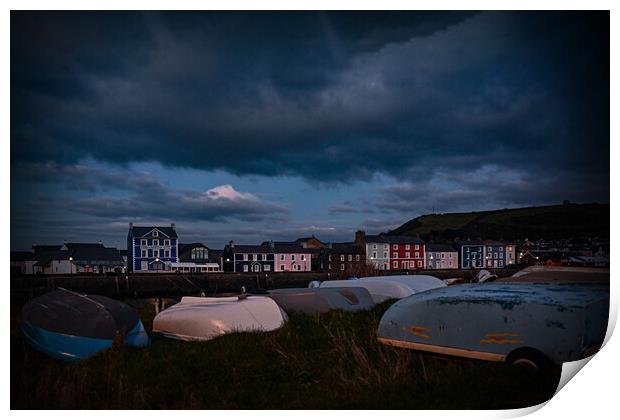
(528, 358)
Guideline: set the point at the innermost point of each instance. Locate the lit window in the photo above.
(341, 266)
(266, 267)
(341, 257)
(350, 257)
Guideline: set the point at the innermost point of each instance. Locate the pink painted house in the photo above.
(291, 257)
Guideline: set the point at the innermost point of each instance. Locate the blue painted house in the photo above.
(472, 254)
(495, 255)
(151, 249)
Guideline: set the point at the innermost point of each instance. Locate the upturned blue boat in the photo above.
(70, 326)
(530, 324)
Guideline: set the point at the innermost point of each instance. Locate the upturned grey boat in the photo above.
(321, 300)
(525, 323)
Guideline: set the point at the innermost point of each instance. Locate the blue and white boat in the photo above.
(534, 323)
(70, 326)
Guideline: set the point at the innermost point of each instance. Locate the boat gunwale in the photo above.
(445, 350)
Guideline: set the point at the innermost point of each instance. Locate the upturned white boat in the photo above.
(312, 301)
(382, 288)
(203, 318)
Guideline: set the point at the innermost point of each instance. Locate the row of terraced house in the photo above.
(154, 249)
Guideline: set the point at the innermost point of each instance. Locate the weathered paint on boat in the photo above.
(490, 321)
(321, 300)
(204, 318)
(70, 326)
(382, 288)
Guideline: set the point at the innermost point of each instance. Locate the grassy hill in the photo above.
(548, 222)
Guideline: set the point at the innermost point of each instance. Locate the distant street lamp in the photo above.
(71, 264)
(157, 265)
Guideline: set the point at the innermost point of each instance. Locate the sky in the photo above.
(255, 126)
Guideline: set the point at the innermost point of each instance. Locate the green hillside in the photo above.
(548, 222)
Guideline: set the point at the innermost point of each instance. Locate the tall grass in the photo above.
(328, 361)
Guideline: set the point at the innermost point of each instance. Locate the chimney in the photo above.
(231, 244)
(272, 246)
(173, 226)
(100, 242)
(130, 225)
(360, 238)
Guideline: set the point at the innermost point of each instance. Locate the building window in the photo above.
(374, 246)
(156, 242)
(342, 267)
(495, 255)
(419, 263)
(167, 254)
(199, 253)
(395, 255)
(357, 257)
(156, 253)
(501, 248)
(245, 257)
(501, 263)
(395, 264)
(144, 253)
(166, 242)
(341, 257)
(281, 257)
(385, 246)
(395, 246)
(374, 255)
(407, 246)
(292, 257)
(281, 268)
(329, 257)
(155, 233)
(245, 268)
(303, 257)
(143, 242)
(350, 257)
(417, 247)
(252, 257)
(417, 255)
(329, 266)
(266, 267)
(259, 257)
(407, 254)
(264, 257)
(385, 255)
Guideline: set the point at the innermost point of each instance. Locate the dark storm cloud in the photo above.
(143, 194)
(323, 96)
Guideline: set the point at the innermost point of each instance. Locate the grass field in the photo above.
(329, 361)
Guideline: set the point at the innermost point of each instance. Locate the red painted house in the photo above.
(406, 253)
